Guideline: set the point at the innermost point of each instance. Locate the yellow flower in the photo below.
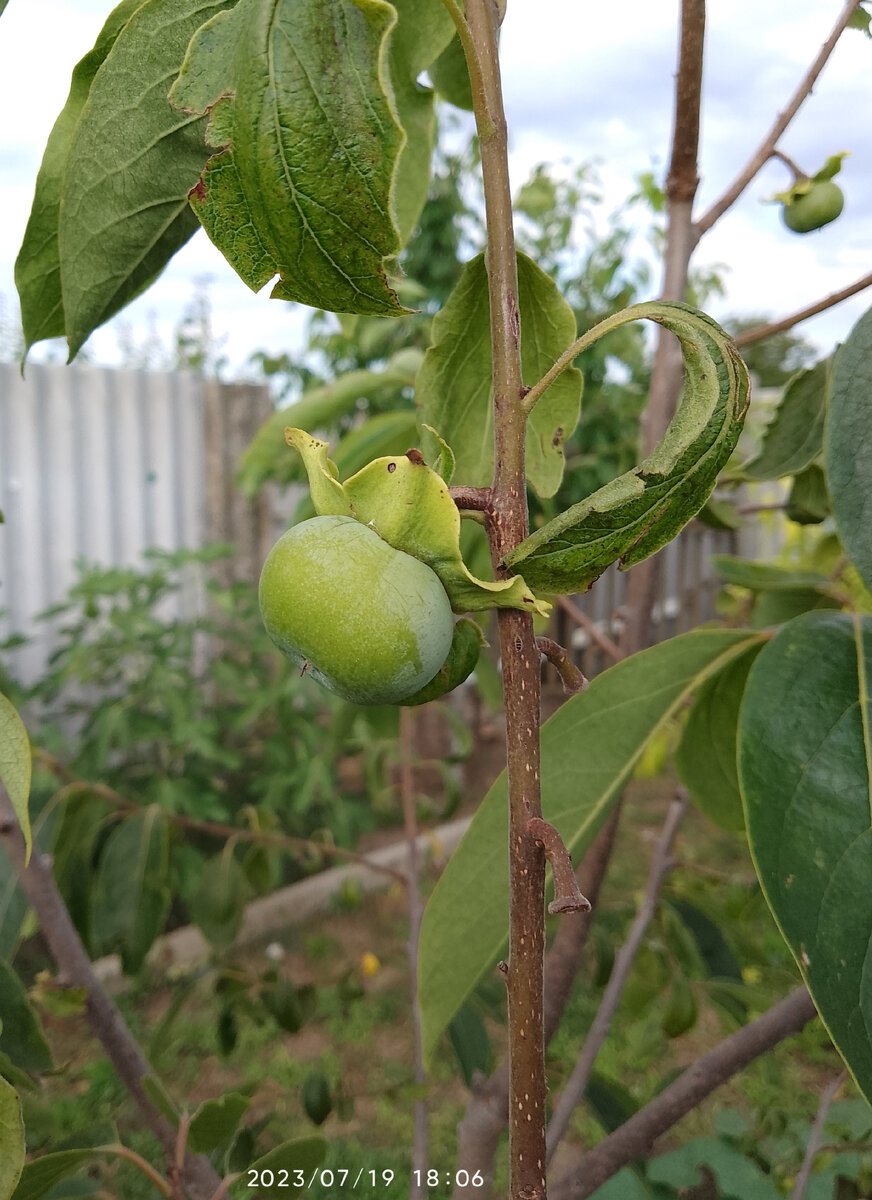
(751, 974)
(369, 964)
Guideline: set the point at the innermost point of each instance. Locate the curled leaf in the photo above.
(636, 514)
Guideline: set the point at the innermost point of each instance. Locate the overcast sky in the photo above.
(582, 81)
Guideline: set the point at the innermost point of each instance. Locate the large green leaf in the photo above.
(765, 577)
(809, 500)
(423, 30)
(706, 756)
(215, 1120)
(132, 893)
(40, 1176)
(849, 445)
(20, 1035)
(589, 748)
(13, 908)
(805, 767)
(284, 1171)
(13, 901)
(450, 76)
(626, 1185)
(132, 161)
(38, 267)
(453, 388)
(218, 905)
(640, 511)
(12, 1148)
(81, 822)
(15, 765)
(738, 1176)
(794, 437)
(300, 102)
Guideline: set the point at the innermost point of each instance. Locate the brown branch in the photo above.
(572, 679)
(636, 1136)
(568, 896)
(815, 1137)
(767, 146)
(507, 527)
(75, 970)
(478, 1134)
(660, 866)
(584, 622)
(681, 183)
(473, 499)
(666, 375)
(750, 336)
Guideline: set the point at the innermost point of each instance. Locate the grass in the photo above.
(357, 1031)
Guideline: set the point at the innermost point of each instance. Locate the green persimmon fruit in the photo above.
(815, 208)
(370, 623)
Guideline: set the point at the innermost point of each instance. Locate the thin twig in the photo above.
(580, 1077)
(745, 510)
(119, 1151)
(750, 336)
(571, 677)
(225, 1186)
(473, 499)
(211, 828)
(845, 1147)
(636, 1136)
(815, 1137)
(417, 1189)
(182, 1139)
(74, 968)
(767, 146)
(667, 371)
(568, 896)
(596, 636)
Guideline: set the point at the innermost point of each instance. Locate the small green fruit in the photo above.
(370, 623)
(681, 1013)
(815, 208)
(317, 1101)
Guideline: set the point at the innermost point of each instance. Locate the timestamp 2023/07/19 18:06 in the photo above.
(341, 1177)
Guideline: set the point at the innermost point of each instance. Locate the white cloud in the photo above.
(582, 81)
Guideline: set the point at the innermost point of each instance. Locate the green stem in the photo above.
(568, 357)
(157, 1181)
(473, 65)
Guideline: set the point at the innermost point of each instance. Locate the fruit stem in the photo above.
(799, 175)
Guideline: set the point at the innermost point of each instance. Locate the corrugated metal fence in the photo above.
(101, 465)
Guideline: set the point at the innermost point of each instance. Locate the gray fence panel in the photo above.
(98, 465)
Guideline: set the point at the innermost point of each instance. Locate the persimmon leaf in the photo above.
(302, 110)
(639, 512)
(805, 768)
